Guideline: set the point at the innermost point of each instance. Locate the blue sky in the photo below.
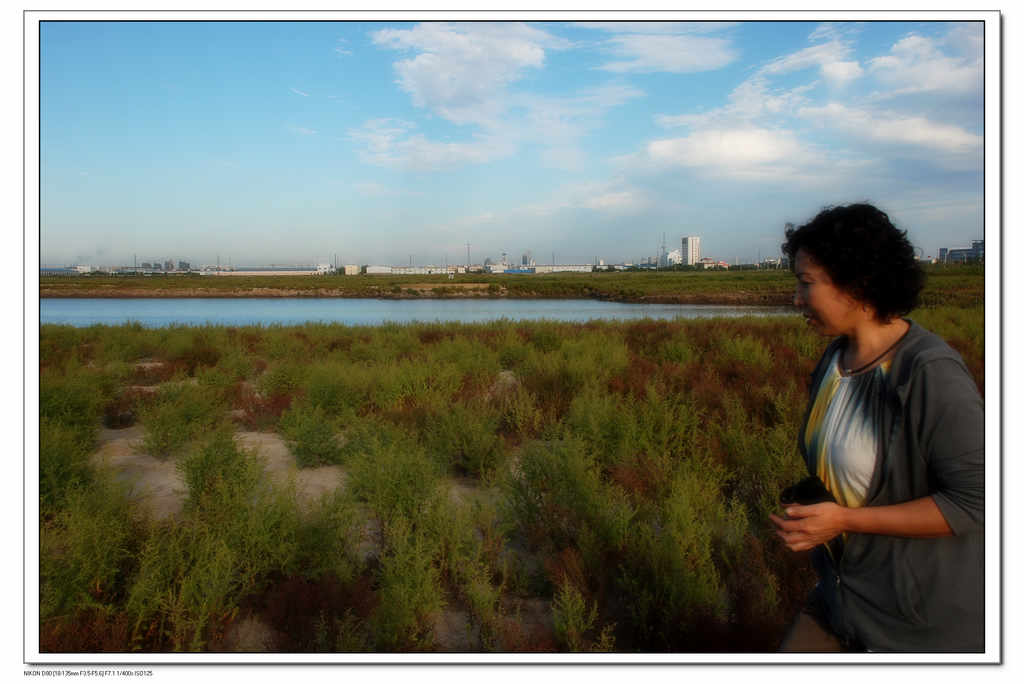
(288, 142)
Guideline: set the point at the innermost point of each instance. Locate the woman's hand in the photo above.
(807, 526)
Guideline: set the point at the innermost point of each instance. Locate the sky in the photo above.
(260, 143)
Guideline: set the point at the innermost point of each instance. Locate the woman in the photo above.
(895, 430)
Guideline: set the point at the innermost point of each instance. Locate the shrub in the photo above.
(74, 398)
(63, 461)
(670, 578)
(311, 435)
(216, 466)
(129, 342)
(744, 349)
(545, 338)
(191, 347)
(388, 469)
(338, 389)
(325, 541)
(283, 377)
(512, 351)
(465, 439)
(235, 533)
(179, 414)
(520, 417)
(409, 590)
(574, 619)
(86, 551)
(557, 496)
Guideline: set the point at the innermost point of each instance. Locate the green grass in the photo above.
(623, 476)
(177, 415)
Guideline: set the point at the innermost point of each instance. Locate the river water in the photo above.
(162, 312)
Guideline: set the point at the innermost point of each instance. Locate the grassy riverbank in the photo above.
(496, 487)
(954, 285)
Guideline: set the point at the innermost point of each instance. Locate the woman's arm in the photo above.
(809, 526)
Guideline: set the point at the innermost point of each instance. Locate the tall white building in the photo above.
(691, 250)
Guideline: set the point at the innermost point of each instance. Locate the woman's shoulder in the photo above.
(921, 345)
(925, 354)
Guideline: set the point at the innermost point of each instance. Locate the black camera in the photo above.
(810, 490)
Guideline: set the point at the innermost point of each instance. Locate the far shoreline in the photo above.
(962, 286)
(740, 298)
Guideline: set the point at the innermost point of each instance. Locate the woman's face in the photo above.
(826, 308)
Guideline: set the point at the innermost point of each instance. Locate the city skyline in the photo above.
(385, 142)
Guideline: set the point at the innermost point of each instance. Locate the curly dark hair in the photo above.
(865, 255)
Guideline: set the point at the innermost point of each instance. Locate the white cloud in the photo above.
(657, 27)
(890, 128)
(299, 92)
(302, 130)
(389, 143)
(464, 73)
(754, 99)
(727, 148)
(749, 101)
(917, 64)
(614, 196)
(746, 153)
(841, 72)
(562, 119)
(830, 58)
(380, 134)
(648, 53)
(462, 70)
(826, 31)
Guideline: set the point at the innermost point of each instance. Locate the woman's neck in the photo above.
(870, 343)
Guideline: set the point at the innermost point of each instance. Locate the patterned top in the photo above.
(842, 429)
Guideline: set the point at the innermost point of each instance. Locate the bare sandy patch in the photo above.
(158, 487)
(503, 384)
(454, 632)
(310, 483)
(250, 635)
(155, 484)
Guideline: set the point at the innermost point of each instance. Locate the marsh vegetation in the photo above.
(507, 486)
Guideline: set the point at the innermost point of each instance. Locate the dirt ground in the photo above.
(157, 488)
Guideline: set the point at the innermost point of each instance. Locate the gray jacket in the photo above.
(919, 595)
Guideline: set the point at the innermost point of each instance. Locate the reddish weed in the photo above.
(434, 335)
(294, 606)
(646, 337)
(260, 413)
(88, 631)
(157, 372)
(634, 379)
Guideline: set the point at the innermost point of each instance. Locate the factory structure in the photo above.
(690, 250)
(963, 255)
(688, 255)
